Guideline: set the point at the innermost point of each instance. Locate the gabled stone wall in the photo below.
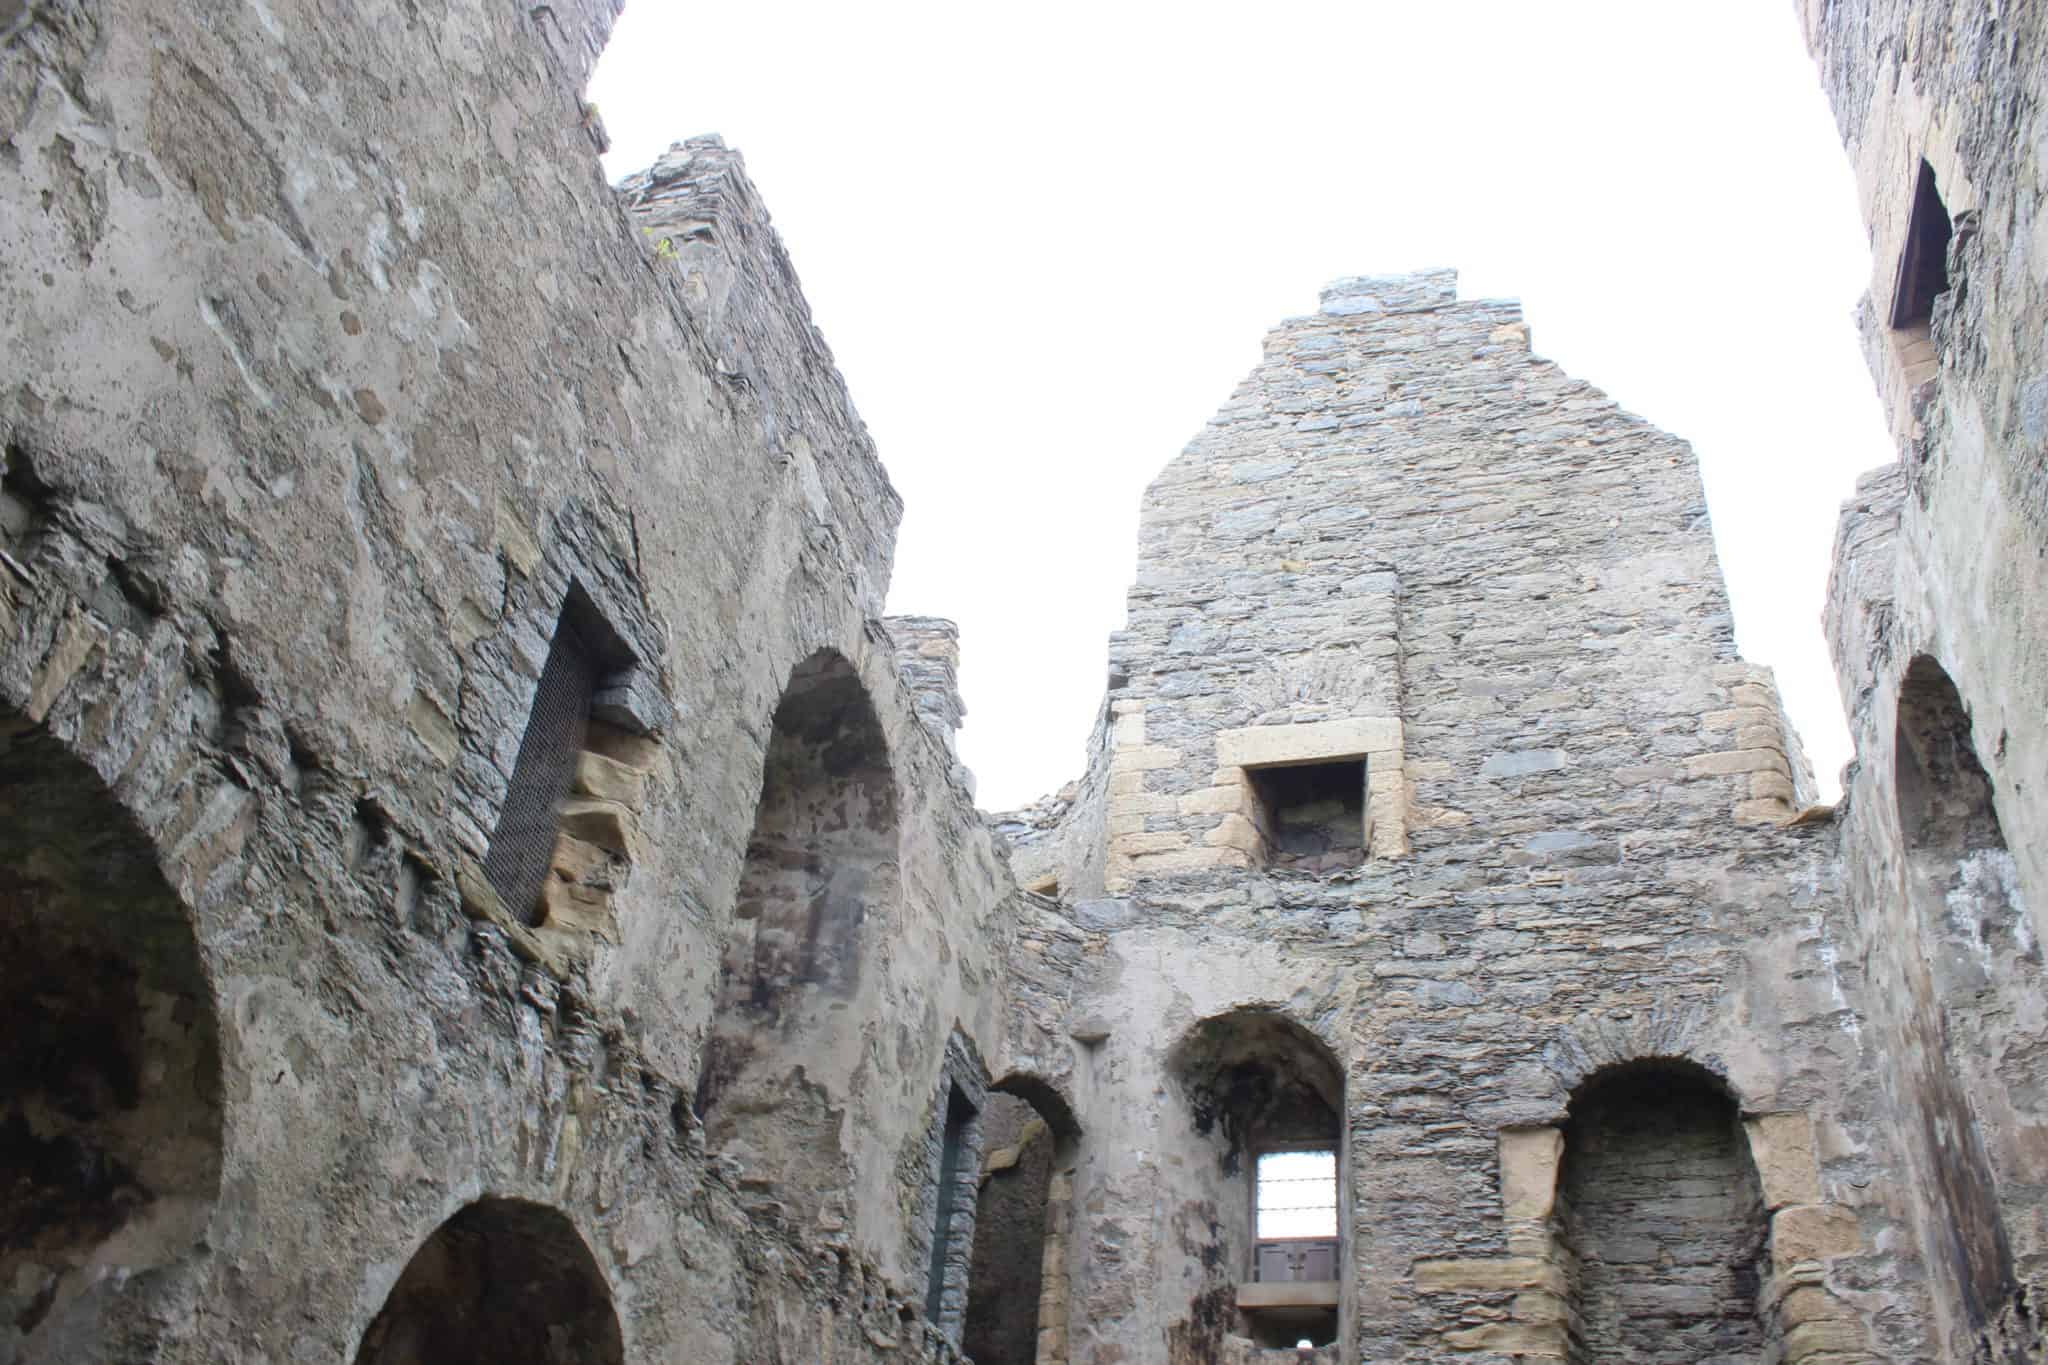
(1406, 538)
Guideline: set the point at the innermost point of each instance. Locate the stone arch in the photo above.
(110, 1085)
(1257, 1084)
(1019, 1286)
(821, 862)
(1965, 1056)
(502, 1282)
(1661, 1218)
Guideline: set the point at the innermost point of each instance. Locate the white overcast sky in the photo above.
(1044, 242)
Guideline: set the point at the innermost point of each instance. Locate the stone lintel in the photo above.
(1322, 741)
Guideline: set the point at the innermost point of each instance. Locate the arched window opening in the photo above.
(1023, 1226)
(821, 863)
(109, 1055)
(1269, 1096)
(503, 1282)
(1964, 893)
(1660, 1205)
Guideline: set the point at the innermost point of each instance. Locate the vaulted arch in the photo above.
(1967, 1059)
(1660, 1209)
(1019, 1287)
(1268, 1095)
(110, 1094)
(502, 1282)
(821, 864)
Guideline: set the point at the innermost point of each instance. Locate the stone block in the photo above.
(641, 752)
(1184, 860)
(1530, 1340)
(1314, 742)
(1119, 822)
(77, 638)
(1815, 1341)
(1739, 718)
(1234, 832)
(1135, 845)
(607, 779)
(1812, 1232)
(1762, 811)
(1212, 801)
(1810, 1303)
(1781, 1146)
(1146, 757)
(1770, 787)
(1738, 761)
(578, 860)
(425, 717)
(1129, 730)
(567, 907)
(1487, 1275)
(1759, 737)
(1524, 762)
(1529, 1160)
(608, 824)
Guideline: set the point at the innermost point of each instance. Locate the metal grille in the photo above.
(959, 1113)
(1297, 1195)
(523, 845)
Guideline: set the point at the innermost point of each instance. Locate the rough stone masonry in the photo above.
(482, 880)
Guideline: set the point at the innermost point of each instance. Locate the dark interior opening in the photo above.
(110, 1106)
(1923, 265)
(503, 1282)
(1278, 1329)
(959, 1114)
(1312, 814)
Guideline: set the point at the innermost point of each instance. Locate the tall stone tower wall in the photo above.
(1938, 620)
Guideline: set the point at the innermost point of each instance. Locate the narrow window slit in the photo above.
(1923, 263)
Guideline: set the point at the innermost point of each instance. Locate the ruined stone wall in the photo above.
(334, 370)
(1407, 539)
(1937, 590)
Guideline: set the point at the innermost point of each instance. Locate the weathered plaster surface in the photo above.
(338, 378)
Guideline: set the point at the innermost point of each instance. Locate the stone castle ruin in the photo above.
(482, 880)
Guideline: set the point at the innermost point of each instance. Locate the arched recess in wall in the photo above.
(1970, 1051)
(110, 1108)
(503, 1282)
(1267, 1096)
(1017, 1296)
(821, 863)
(1660, 1207)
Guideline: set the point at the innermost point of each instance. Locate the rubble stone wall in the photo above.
(333, 366)
(1938, 575)
(1408, 538)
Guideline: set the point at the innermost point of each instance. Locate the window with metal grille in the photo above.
(583, 651)
(1295, 1216)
